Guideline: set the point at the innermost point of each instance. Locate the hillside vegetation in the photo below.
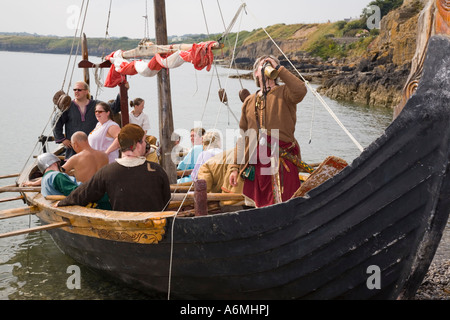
(347, 58)
(327, 40)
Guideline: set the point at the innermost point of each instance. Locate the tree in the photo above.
(385, 6)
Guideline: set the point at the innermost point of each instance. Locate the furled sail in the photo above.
(167, 57)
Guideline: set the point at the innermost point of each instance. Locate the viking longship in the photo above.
(370, 231)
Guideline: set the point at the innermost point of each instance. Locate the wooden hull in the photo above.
(384, 212)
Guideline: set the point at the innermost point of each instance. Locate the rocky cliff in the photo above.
(382, 71)
(373, 77)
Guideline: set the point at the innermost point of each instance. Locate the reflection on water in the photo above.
(37, 270)
(31, 266)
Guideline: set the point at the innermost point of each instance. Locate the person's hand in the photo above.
(272, 62)
(67, 143)
(34, 183)
(233, 178)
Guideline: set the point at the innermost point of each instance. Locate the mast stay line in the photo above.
(316, 94)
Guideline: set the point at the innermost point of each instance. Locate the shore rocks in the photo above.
(382, 72)
(372, 83)
(436, 285)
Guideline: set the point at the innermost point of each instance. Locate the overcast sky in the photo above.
(57, 17)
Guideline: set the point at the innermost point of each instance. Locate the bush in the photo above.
(385, 6)
(352, 27)
(327, 48)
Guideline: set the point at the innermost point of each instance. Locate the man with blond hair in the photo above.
(80, 116)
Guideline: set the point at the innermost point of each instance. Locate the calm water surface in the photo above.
(31, 266)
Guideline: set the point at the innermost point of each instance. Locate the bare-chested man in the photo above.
(86, 161)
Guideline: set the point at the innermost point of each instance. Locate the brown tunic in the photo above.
(280, 111)
(142, 188)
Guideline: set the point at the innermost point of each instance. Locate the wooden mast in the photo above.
(85, 55)
(85, 64)
(166, 127)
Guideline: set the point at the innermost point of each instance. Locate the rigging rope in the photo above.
(207, 99)
(55, 115)
(73, 43)
(146, 27)
(97, 77)
(214, 62)
(227, 31)
(314, 91)
(79, 42)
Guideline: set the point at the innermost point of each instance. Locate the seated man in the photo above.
(216, 173)
(212, 145)
(132, 183)
(152, 153)
(178, 152)
(86, 161)
(188, 163)
(54, 182)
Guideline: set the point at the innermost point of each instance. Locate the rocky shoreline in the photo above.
(436, 284)
(375, 77)
(372, 82)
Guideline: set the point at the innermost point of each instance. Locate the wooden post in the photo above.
(200, 198)
(164, 94)
(85, 55)
(124, 102)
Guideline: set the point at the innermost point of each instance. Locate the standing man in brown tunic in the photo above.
(131, 182)
(267, 152)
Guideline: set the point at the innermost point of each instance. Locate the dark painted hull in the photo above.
(387, 209)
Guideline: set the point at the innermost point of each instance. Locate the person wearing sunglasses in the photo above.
(104, 135)
(80, 116)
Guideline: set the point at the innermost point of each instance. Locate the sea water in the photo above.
(32, 266)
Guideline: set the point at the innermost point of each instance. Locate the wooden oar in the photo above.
(174, 205)
(17, 212)
(19, 189)
(11, 199)
(35, 229)
(176, 188)
(178, 197)
(10, 176)
(55, 197)
(183, 173)
(210, 196)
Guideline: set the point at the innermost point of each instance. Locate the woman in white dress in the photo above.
(137, 116)
(104, 135)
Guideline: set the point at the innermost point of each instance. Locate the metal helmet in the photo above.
(45, 160)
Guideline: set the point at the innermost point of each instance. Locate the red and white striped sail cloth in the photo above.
(200, 55)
